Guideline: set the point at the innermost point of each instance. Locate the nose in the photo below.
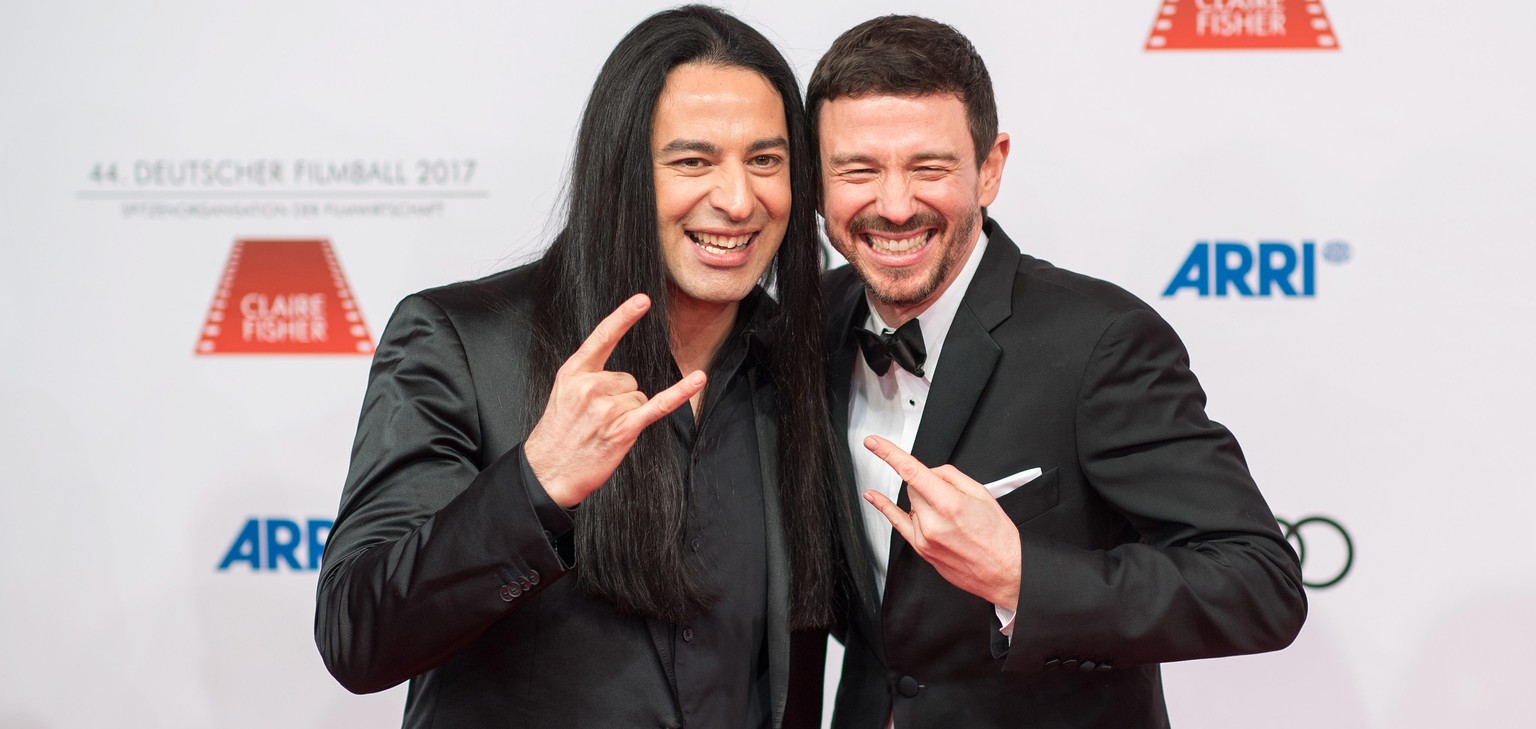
(895, 199)
(733, 193)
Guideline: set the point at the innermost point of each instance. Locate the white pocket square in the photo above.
(1002, 486)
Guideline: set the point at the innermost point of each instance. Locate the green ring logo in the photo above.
(1319, 527)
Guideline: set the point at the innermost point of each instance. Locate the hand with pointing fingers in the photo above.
(594, 416)
(955, 524)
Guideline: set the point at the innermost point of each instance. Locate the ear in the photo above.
(991, 177)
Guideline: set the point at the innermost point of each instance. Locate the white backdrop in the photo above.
(426, 144)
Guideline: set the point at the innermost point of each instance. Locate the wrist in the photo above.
(561, 496)
(1007, 596)
(558, 491)
(1005, 593)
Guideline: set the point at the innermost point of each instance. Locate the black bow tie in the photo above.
(904, 347)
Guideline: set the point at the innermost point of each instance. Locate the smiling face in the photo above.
(902, 193)
(720, 147)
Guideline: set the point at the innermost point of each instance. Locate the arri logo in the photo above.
(273, 545)
(1267, 270)
(1213, 25)
(284, 297)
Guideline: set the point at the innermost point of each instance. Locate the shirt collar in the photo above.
(744, 348)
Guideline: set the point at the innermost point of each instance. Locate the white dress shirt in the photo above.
(891, 406)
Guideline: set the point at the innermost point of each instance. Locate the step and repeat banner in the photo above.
(208, 211)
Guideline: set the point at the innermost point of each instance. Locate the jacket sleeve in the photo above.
(428, 549)
(1211, 575)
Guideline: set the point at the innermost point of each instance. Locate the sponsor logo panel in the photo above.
(1266, 269)
(1204, 25)
(277, 544)
(1325, 548)
(283, 297)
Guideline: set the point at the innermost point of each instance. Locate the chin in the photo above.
(897, 298)
(719, 295)
(900, 291)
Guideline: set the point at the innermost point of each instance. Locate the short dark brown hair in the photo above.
(907, 55)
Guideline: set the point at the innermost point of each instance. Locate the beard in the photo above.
(905, 286)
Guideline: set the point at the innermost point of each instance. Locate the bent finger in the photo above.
(957, 478)
(663, 402)
(614, 383)
(919, 500)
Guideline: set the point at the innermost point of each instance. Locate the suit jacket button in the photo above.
(1069, 665)
(1102, 667)
(687, 635)
(1086, 666)
(908, 686)
(533, 577)
(506, 593)
(1052, 664)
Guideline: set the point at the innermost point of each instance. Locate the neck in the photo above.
(894, 315)
(698, 328)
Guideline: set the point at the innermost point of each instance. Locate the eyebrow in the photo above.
(839, 160)
(710, 148)
(769, 143)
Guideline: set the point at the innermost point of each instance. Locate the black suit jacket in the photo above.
(1145, 539)
(438, 570)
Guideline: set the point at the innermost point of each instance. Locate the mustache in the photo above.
(919, 220)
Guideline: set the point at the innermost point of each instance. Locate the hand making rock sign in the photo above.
(594, 416)
(955, 524)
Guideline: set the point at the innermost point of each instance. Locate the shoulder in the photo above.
(1043, 297)
(1040, 281)
(1091, 317)
(495, 300)
(512, 288)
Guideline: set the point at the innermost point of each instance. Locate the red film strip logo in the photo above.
(284, 297)
(1198, 25)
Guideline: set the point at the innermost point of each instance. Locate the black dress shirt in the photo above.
(721, 658)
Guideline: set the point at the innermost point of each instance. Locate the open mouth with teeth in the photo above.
(721, 244)
(899, 246)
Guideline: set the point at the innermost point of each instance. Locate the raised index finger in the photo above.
(594, 352)
(906, 466)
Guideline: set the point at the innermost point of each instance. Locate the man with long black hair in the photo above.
(593, 491)
(1049, 512)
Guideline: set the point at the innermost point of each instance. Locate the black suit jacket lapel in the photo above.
(967, 361)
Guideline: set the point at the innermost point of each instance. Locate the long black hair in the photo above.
(629, 533)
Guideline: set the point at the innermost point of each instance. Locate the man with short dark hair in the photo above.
(1068, 517)
(459, 560)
